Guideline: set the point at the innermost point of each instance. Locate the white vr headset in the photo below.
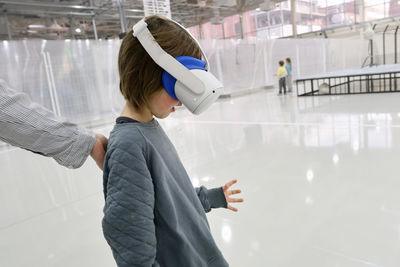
(185, 78)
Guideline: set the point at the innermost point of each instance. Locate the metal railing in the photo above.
(387, 82)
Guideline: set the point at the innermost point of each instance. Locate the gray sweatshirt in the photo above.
(153, 216)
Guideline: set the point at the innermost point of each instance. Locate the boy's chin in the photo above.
(162, 116)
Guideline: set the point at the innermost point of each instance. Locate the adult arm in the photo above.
(30, 126)
(128, 223)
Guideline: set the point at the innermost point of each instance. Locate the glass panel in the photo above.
(195, 31)
(229, 27)
(374, 9)
(392, 8)
(311, 15)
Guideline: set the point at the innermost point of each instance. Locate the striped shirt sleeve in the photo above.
(32, 127)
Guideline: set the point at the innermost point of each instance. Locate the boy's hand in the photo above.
(231, 192)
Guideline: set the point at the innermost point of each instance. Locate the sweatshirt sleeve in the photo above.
(128, 223)
(211, 198)
(32, 127)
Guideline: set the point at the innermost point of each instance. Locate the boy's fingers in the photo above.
(232, 208)
(235, 200)
(232, 192)
(229, 184)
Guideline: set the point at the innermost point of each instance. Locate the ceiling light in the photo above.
(36, 26)
(78, 30)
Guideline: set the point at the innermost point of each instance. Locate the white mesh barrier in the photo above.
(239, 64)
(72, 78)
(389, 50)
(317, 56)
(252, 63)
(79, 79)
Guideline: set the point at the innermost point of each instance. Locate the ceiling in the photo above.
(60, 19)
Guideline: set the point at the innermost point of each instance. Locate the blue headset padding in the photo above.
(189, 62)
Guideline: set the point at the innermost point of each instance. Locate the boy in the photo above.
(281, 73)
(288, 67)
(153, 216)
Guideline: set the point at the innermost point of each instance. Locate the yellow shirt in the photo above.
(281, 72)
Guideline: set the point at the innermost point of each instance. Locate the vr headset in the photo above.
(185, 78)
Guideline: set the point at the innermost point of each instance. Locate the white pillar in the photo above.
(361, 9)
(293, 17)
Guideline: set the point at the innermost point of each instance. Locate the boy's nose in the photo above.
(179, 104)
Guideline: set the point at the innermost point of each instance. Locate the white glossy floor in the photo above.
(320, 175)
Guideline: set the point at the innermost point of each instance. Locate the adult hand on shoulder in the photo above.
(99, 150)
(229, 193)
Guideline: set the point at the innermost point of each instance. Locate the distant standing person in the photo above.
(288, 67)
(282, 73)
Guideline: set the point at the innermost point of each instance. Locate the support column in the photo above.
(200, 31)
(395, 45)
(361, 10)
(122, 16)
(94, 28)
(223, 30)
(71, 30)
(94, 21)
(280, 7)
(8, 26)
(384, 44)
(239, 7)
(241, 26)
(293, 17)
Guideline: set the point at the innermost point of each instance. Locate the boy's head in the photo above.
(140, 76)
(281, 63)
(288, 60)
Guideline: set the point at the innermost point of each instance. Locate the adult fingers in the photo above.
(98, 153)
(103, 140)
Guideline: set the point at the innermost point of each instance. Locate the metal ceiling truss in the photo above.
(102, 15)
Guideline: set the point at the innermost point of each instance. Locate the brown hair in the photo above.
(288, 60)
(281, 63)
(140, 76)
